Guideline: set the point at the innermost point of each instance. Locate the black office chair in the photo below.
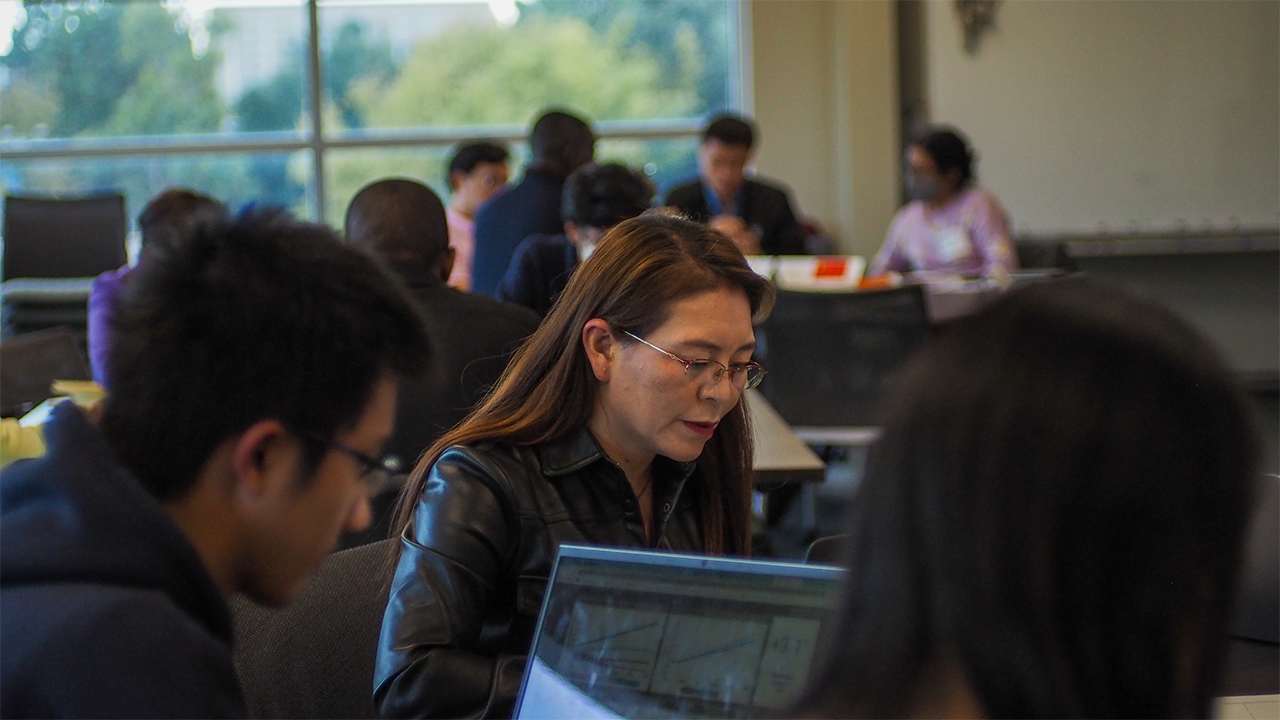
(1258, 613)
(315, 658)
(30, 363)
(1044, 255)
(829, 550)
(63, 238)
(48, 244)
(832, 356)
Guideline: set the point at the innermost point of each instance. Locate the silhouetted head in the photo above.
(171, 215)
(402, 221)
(1051, 521)
(561, 142)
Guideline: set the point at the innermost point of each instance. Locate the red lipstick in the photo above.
(705, 429)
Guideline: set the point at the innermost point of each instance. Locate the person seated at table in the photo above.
(951, 226)
(403, 222)
(595, 198)
(1051, 523)
(755, 214)
(618, 423)
(166, 218)
(477, 170)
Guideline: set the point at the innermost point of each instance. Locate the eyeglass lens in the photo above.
(743, 376)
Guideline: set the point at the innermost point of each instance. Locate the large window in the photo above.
(300, 103)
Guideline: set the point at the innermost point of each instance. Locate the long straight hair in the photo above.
(639, 269)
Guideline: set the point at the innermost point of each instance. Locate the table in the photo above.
(780, 455)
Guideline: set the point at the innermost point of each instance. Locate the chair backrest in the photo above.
(61, 238)
(831, 356)
(315, 658)
(1258, 611)
(1044, 255)
(30, 363)
(829, 550)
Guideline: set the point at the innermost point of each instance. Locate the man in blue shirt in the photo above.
(560, 143)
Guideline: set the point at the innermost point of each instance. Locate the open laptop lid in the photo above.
(627, 633)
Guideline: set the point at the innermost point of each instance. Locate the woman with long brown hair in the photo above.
(618, 423)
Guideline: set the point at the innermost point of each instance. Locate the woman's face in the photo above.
(647, 406)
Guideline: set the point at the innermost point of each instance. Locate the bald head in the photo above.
(399, 220)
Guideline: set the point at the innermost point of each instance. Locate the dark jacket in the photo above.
(106, 609)
(539, 271)
(474, 565)
(764, 208)
(474, 336)
(530, 207)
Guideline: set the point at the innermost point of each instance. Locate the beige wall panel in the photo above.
(1118, 115)
(826, 98)
(792, 68)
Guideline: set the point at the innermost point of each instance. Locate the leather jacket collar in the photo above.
(579, 449)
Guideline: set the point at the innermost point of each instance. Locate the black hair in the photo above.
(730, 129)
(1055, 512)
(472, 153)
(561, 142)
(171, 215)
(250, 318)
(949, 150)
(601, 196)
(399, 220)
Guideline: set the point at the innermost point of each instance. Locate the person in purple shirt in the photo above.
(166, 217)
(951, 226)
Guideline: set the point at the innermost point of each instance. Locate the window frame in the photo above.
(317, 141)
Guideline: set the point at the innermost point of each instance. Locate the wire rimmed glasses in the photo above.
(743, 376)
(374, 472)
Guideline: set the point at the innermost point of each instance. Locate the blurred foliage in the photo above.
(682, 35)
(109, 70)
(129, 69)
(486, 75)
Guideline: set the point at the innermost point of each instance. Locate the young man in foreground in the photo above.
(254, 377)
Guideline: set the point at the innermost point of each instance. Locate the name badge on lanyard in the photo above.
(952, 244)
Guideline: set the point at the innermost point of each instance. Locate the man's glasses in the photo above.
(373, 471)
(743, 376)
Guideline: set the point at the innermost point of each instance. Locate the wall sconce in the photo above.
(977, 17)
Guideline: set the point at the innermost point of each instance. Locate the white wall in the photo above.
(825, 96)
(1118, 114)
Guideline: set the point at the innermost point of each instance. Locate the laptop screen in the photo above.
(632, 634)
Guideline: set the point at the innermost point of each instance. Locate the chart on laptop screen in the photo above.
(653, 641)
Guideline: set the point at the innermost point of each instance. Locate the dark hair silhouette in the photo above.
(1053, 516)
(561, 142)
(170, 215)
(730, 129)
(256, 317)
(602, 196)
(950, 151)
(470, 154)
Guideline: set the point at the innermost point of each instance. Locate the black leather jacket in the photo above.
(474, 564)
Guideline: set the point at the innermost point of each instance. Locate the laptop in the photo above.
(636, 634)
